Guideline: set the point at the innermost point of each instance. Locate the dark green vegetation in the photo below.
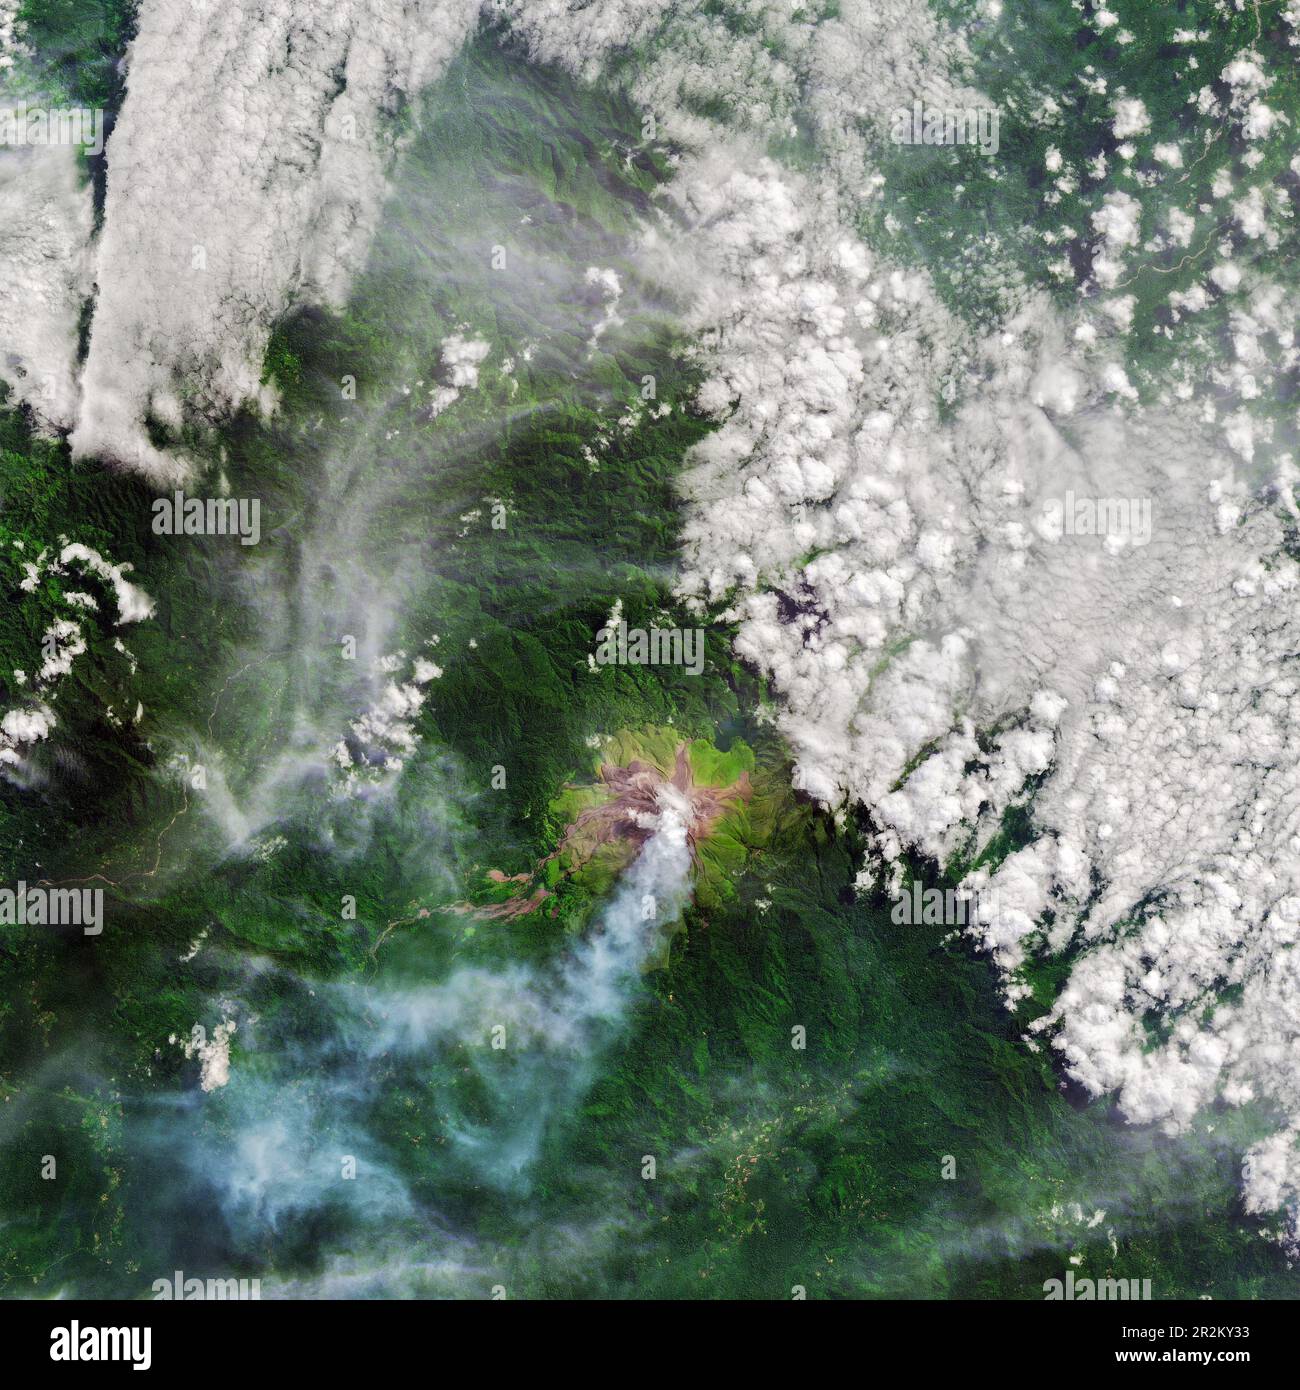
(77, 45)
(777, 1165)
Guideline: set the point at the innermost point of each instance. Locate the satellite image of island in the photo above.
(649, 650)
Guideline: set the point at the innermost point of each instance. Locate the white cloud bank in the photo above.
(247, 169)
(45, 225)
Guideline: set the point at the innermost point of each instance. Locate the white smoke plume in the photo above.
(552, 1024)
(536, 1034)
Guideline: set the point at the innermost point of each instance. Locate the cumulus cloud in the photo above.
(461, 358)
(20, 727)
(133, 604)
(1130, 118)
(63, 641)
